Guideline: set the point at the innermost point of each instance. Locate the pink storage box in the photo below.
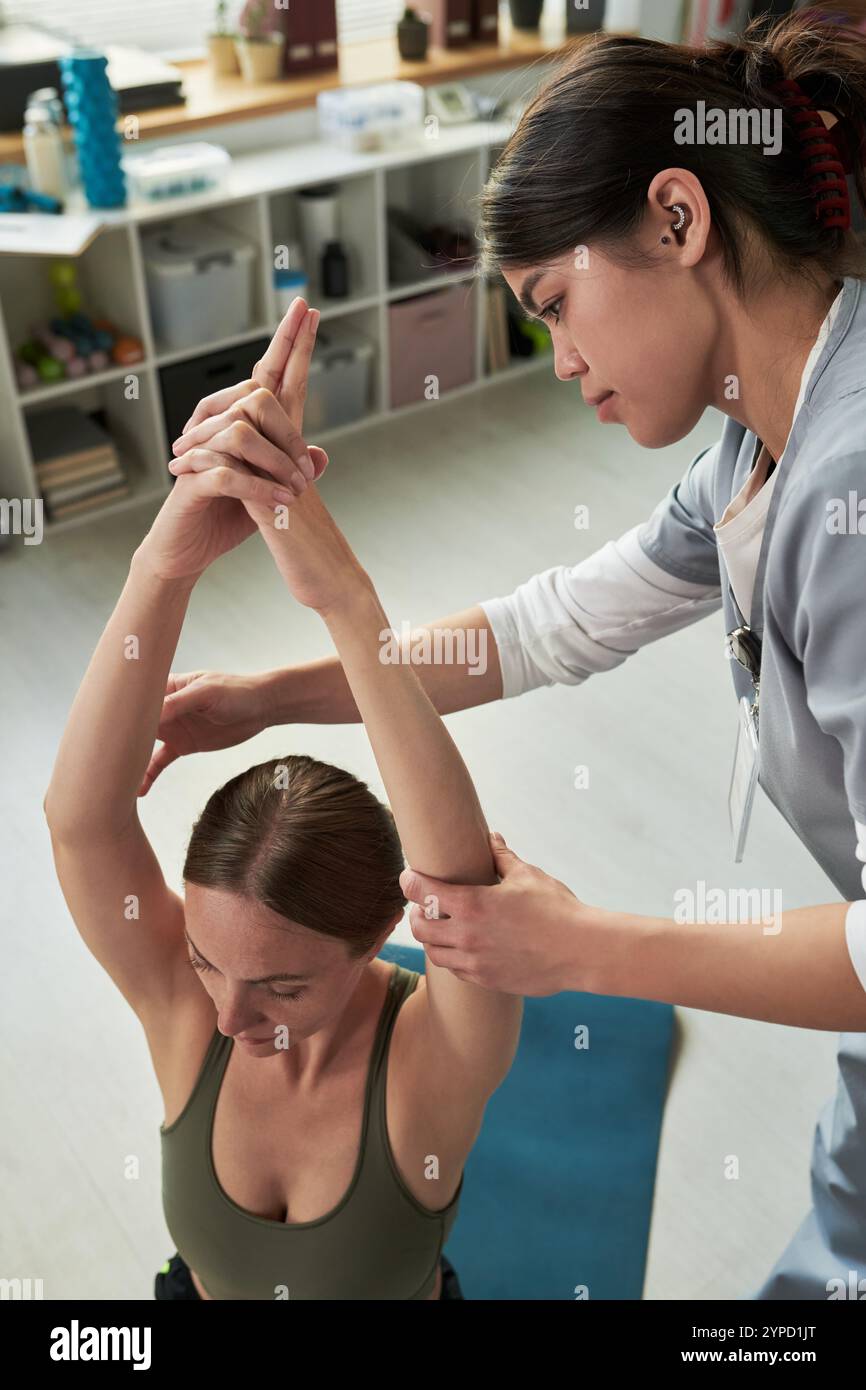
(432, 335)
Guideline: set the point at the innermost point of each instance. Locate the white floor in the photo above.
(450, 505)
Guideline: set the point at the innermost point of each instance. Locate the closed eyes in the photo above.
(202, 965)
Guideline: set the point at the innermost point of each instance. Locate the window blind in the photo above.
(178, 29)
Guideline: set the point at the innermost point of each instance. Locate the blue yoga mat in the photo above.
(558, 1189)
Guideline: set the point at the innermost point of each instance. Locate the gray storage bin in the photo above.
(199, 282)
(340, 378)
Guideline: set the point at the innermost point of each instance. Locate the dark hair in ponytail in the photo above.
(577, 169)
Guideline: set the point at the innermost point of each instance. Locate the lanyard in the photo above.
(741, 643)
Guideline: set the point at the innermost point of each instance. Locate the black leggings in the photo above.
(175, 1281)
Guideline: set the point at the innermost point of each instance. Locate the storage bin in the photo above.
(431, 335)
(199, 282)
(340, 377)
(176, 171)
(183, 384)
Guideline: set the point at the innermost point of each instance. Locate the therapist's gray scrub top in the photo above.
(809, 609)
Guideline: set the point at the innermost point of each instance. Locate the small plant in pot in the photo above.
(526, 14)
(260, 45)
(412, 36)
(221, 43)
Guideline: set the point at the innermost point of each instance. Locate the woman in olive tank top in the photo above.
(319, 1103)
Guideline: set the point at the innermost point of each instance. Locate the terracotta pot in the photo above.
(261, 60)
(221, 54)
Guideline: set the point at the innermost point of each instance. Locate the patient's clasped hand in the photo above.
(241, 464)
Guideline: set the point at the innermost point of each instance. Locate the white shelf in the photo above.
(283, 169)
(520, 367)
(259, 202)
(168, 355)
(436, 280)
(335, 308)
(68, 387)
(139, 494)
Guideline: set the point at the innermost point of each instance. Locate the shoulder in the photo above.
(678, 535)
(816, 558)
(179, 1030)
(821, 499)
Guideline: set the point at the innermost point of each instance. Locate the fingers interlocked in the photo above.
(247, 423)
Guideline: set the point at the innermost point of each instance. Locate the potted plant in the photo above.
(526, 14)
(221, 43)
(412, 36)
(260, 45)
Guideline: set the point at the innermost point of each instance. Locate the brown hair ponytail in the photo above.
(577, 169)
(308, 840)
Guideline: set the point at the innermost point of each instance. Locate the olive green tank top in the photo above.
(379, 1242)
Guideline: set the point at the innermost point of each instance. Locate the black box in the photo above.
(184, 384)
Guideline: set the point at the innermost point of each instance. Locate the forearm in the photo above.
(112, 725)
(435, 805)
(799, 974)
(319, 693)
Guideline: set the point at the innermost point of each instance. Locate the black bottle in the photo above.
(335, 271)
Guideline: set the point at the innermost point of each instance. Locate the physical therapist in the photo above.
(732, 265)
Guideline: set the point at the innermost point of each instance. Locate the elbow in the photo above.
(58, 818)
(49, 811)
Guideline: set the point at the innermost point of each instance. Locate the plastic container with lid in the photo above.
(338, 390)
(199, 282)
(373, 117)
(176, 171)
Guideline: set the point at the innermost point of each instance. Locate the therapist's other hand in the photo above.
(203, 711)
(229, 420)
(518, 936)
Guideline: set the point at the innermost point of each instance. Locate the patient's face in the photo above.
(238, 944)
(646, 335)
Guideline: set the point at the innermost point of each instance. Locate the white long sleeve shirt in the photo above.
(570, 622)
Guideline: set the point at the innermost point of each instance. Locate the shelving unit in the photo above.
(438, 178)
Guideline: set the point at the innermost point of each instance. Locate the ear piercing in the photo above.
(677, 226)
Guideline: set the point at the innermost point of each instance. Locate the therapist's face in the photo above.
(644, 335)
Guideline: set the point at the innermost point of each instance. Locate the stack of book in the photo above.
(77, 467)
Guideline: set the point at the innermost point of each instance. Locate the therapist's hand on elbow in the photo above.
(260, 421)
(527, 934)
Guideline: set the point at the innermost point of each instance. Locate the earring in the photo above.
(677, 226)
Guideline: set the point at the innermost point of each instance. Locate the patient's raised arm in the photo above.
(110, 877)
(438, 815)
